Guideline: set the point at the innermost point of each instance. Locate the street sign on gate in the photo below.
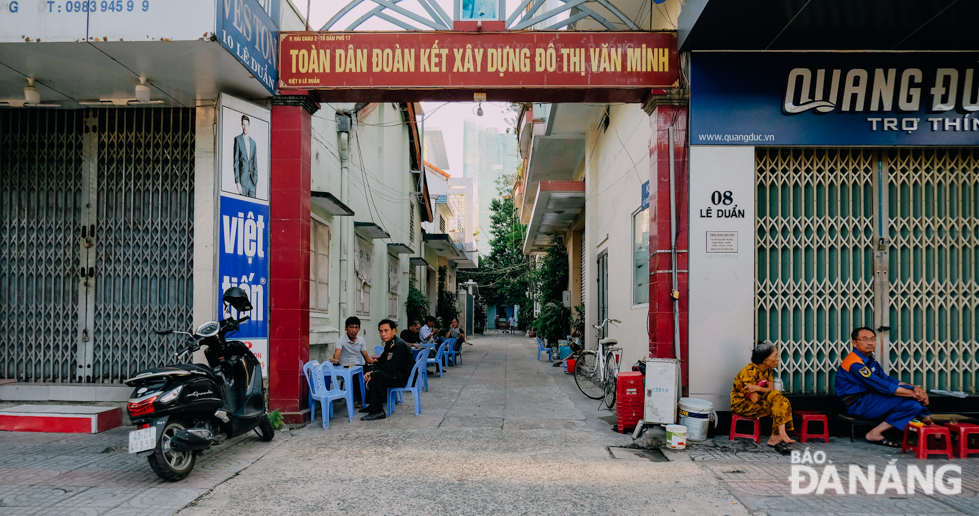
(493, 60)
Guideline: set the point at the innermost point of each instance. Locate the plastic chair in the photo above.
(755, 435)
(378, 350)
(326, 397)
(452, 353)
(805, 425)
(438, 360)
(960, 433)
(541, 349)
(919, 445)
(422, 358)
(312, 414)
(413, 386)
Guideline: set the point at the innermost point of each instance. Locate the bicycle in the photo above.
(595, 372)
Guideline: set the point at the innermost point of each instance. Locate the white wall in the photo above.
(379, 185)
(376, 189)
(617, 163)
(205, 218)
(324, 328)
(721, 284)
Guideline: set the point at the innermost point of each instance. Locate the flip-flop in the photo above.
(783, 448)
(885, 442)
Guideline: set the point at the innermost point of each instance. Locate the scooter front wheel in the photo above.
(168, 464)
(265, 430)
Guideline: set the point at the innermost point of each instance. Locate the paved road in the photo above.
(83, 474)
(760, 479)
(499, 434)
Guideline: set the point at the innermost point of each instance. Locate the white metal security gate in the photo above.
(857, 237)
(101, 203)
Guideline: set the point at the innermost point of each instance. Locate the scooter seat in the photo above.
(155, 373)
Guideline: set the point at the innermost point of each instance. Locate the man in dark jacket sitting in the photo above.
(391, 369)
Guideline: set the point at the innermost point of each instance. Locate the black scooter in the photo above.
(183, 409)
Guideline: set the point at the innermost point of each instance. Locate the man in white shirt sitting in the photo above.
(352, 350)
(427, 333)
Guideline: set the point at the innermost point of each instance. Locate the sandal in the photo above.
(885, 442)
(783, 448)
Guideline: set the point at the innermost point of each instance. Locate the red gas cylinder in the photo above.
(629, 400)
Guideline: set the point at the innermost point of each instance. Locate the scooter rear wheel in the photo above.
(264, 429)
(168, 464)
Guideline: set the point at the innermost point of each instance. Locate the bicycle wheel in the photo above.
(587, 375)
(610, 379)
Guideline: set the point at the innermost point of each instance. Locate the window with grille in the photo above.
(640, 260)
(441, 224)
(364, 267)
(581, 256)
(394, 285)
(411, 220)
(319, 267)
(603, 290)
(457, 202)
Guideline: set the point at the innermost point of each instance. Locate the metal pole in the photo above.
(344, 197)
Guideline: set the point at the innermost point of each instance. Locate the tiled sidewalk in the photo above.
(94, 475)
(759, 478)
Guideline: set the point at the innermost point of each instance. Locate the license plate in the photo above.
(142, 440)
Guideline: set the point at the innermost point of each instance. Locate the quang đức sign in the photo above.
(834, 98)
(474, 60)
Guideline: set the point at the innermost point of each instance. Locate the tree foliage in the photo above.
(554, 272)
(447, 306)
(504, 277)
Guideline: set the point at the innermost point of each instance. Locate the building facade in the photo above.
(117, 162)
(488, 154)
(832, 186)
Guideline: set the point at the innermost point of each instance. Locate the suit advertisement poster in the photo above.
(243, 246)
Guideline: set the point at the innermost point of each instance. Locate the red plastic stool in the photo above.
(805, 418)
(960, 433)
(755, 436)
(920, 446)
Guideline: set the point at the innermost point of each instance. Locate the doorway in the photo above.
(603, 291)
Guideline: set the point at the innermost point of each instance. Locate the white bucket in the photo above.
(676, 436)
(695, 414)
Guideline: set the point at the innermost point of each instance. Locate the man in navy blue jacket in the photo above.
(870, 394)
(392, 369)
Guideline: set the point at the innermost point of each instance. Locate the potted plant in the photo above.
(553, 323)
(533, 328)
(578, 326)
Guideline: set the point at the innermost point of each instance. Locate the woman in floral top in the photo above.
(753, 395)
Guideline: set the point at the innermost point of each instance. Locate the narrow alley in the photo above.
(499, 434)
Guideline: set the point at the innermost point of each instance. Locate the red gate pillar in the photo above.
(289, 254)
(666, 113)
